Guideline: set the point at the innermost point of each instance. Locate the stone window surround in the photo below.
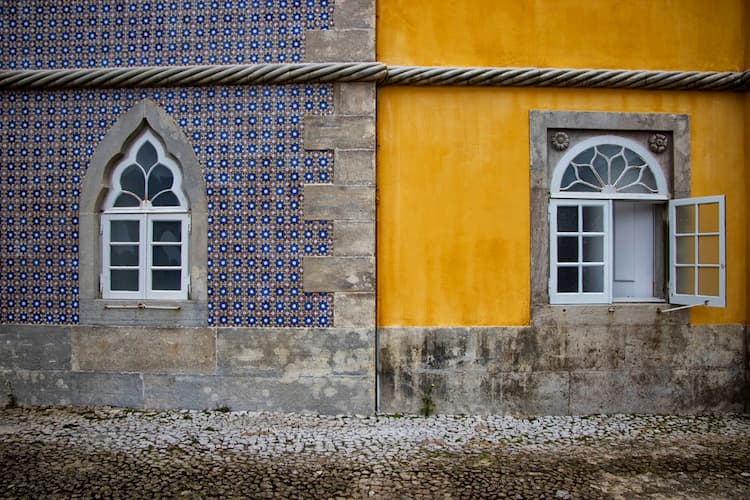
(96, 184)
(541, 169)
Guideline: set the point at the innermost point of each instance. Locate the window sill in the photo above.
(118, 312)
(618, 313)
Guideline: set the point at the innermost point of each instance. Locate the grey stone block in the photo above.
(74, 388)
(354, 167)
(596, 347)
(355, 98)
(339, 274)
(293, 354)
(532, 349)
(341, 203)
(719, 391)
(598, 391)
(318, 395)
(354, 14)
(354, 310)
(155, 350)
(27, 347)
(349, 45)
(660, 391)
(342, 132)
(353, 238)
(535, 393)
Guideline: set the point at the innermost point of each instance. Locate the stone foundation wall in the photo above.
(554, 369)
(327, 371)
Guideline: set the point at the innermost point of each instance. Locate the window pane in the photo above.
(567, 249)
(123, 255)
(708, 218)
(124, 280)
(708, 281)
(685, 216)
(593, 249)
(567, 279)
(127, 200)
(159, 179)
(167, 231)
(616, 169)
(593, 219)
(708, 249)
(685, 249)
(166, 199)
(132, 180)
(685, 277)
(166, 255)
(166, 280)
(593, 279)
(124, 230)
(146, 155)
(567, 219)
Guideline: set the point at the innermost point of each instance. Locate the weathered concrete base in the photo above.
(565, 370)
(327, 371)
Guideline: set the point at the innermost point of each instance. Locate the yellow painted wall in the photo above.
(700, 35)
(453, 178)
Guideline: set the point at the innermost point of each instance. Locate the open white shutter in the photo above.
(697, 257)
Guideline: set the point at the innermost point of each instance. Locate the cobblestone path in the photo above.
(102, 452)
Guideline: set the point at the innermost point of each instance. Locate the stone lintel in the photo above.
(340, 203)
(347, 45)
(339, 274)
(353, 238)
(339, 132)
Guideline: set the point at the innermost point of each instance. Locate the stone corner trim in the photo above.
(339, 274)
(353, 36)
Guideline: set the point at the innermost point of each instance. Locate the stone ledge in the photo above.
(339, 274)
(339, 132)
(339, 203)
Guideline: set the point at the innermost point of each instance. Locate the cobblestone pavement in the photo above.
(104, 452)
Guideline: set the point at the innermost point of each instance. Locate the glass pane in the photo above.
(593, 279)
(167, 255)
(601, 165)
(159, 179)
(567, 219)
(686, 249)
(166, 280)
(593, 219)
(567, 279)
(593, 249)
(685, 216)
(132, 180)
(609, 150)
(685, 280)
(708, 218)
(708, 249)
(167, 231)
(708, 281)
(146, 156)
(166, 199)
(123, 255)
(124, 230)
(616, 168)
(587, 175)
(628, 177)
(567, 249)
(123, 280)
(127, 200)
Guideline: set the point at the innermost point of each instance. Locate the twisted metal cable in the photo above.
(552, 77)
(189, 76)
(269, 74)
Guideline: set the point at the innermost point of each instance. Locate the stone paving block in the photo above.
(31, 347)
(155, 350)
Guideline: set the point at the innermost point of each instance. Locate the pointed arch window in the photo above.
(145, 224)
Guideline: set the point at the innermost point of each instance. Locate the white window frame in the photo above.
(145, 257)
(605, 296)
(696, 298)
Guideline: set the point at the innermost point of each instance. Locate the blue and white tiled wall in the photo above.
(248, 141)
